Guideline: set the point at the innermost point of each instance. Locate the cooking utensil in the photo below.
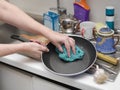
(107, 58)
(69, 26)
(54, 64)
(106, 68)
(17, 37)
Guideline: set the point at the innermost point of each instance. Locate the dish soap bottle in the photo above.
(81, 10)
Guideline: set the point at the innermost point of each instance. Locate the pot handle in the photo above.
(118, 39)
(17, 37)
(77, 26)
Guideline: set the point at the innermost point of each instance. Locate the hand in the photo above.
(33, 49)
(60, 39)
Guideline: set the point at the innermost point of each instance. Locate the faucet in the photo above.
(60, 10)
(58, 6)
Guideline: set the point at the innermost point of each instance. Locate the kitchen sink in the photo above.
(112, 70)
(7, 30)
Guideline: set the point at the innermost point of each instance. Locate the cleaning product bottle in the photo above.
(51, 20)
(81, 10)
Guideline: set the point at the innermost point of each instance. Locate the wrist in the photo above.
(22, 47)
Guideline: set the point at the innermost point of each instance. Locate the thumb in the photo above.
(44, 48)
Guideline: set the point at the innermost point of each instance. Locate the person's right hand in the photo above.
(33, 49)
(63, 39)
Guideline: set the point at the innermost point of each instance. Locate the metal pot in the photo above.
(69, 25)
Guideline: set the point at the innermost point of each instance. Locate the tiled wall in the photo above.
(35, 6)
(97, 12)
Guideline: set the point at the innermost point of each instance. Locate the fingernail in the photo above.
(69, 55)
(47, 50)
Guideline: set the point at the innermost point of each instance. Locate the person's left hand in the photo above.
(59, 39)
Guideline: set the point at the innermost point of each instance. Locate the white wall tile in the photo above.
(35, 6)
(97, 12)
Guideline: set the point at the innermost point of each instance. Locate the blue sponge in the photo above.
(63, 55)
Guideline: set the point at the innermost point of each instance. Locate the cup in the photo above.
(86, 29)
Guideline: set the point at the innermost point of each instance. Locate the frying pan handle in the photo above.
(17, 37)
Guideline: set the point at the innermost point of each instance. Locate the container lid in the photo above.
(105, 32)
(83, 4)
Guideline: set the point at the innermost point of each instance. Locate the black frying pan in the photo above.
(60, 67)
(54, 64)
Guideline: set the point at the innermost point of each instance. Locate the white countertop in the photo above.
(84, 81)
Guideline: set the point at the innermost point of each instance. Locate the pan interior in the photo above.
(54, 63)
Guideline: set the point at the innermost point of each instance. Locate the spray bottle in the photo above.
(81, 10)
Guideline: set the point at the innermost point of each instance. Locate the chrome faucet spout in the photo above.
(60, 10)
(58, 5)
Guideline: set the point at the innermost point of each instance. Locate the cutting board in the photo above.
(39, 38)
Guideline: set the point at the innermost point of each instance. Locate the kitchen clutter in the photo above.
(63, 22)
(103, 35)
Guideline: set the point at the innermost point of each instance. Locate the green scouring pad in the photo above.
(63, 55)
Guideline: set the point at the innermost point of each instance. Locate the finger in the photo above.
(43, 48)
(72, 43)
(36, 41)
(67, 46)
(60, 48)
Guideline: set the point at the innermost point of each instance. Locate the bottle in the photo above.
(81, 10)
(109, 12)
(51, 20)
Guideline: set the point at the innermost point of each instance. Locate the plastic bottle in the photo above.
(110, 16)
(51, 20)
(81, 10)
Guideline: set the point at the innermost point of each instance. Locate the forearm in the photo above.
(14, 16)
(6, 49)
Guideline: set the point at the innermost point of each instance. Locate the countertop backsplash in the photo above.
(97, 13)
